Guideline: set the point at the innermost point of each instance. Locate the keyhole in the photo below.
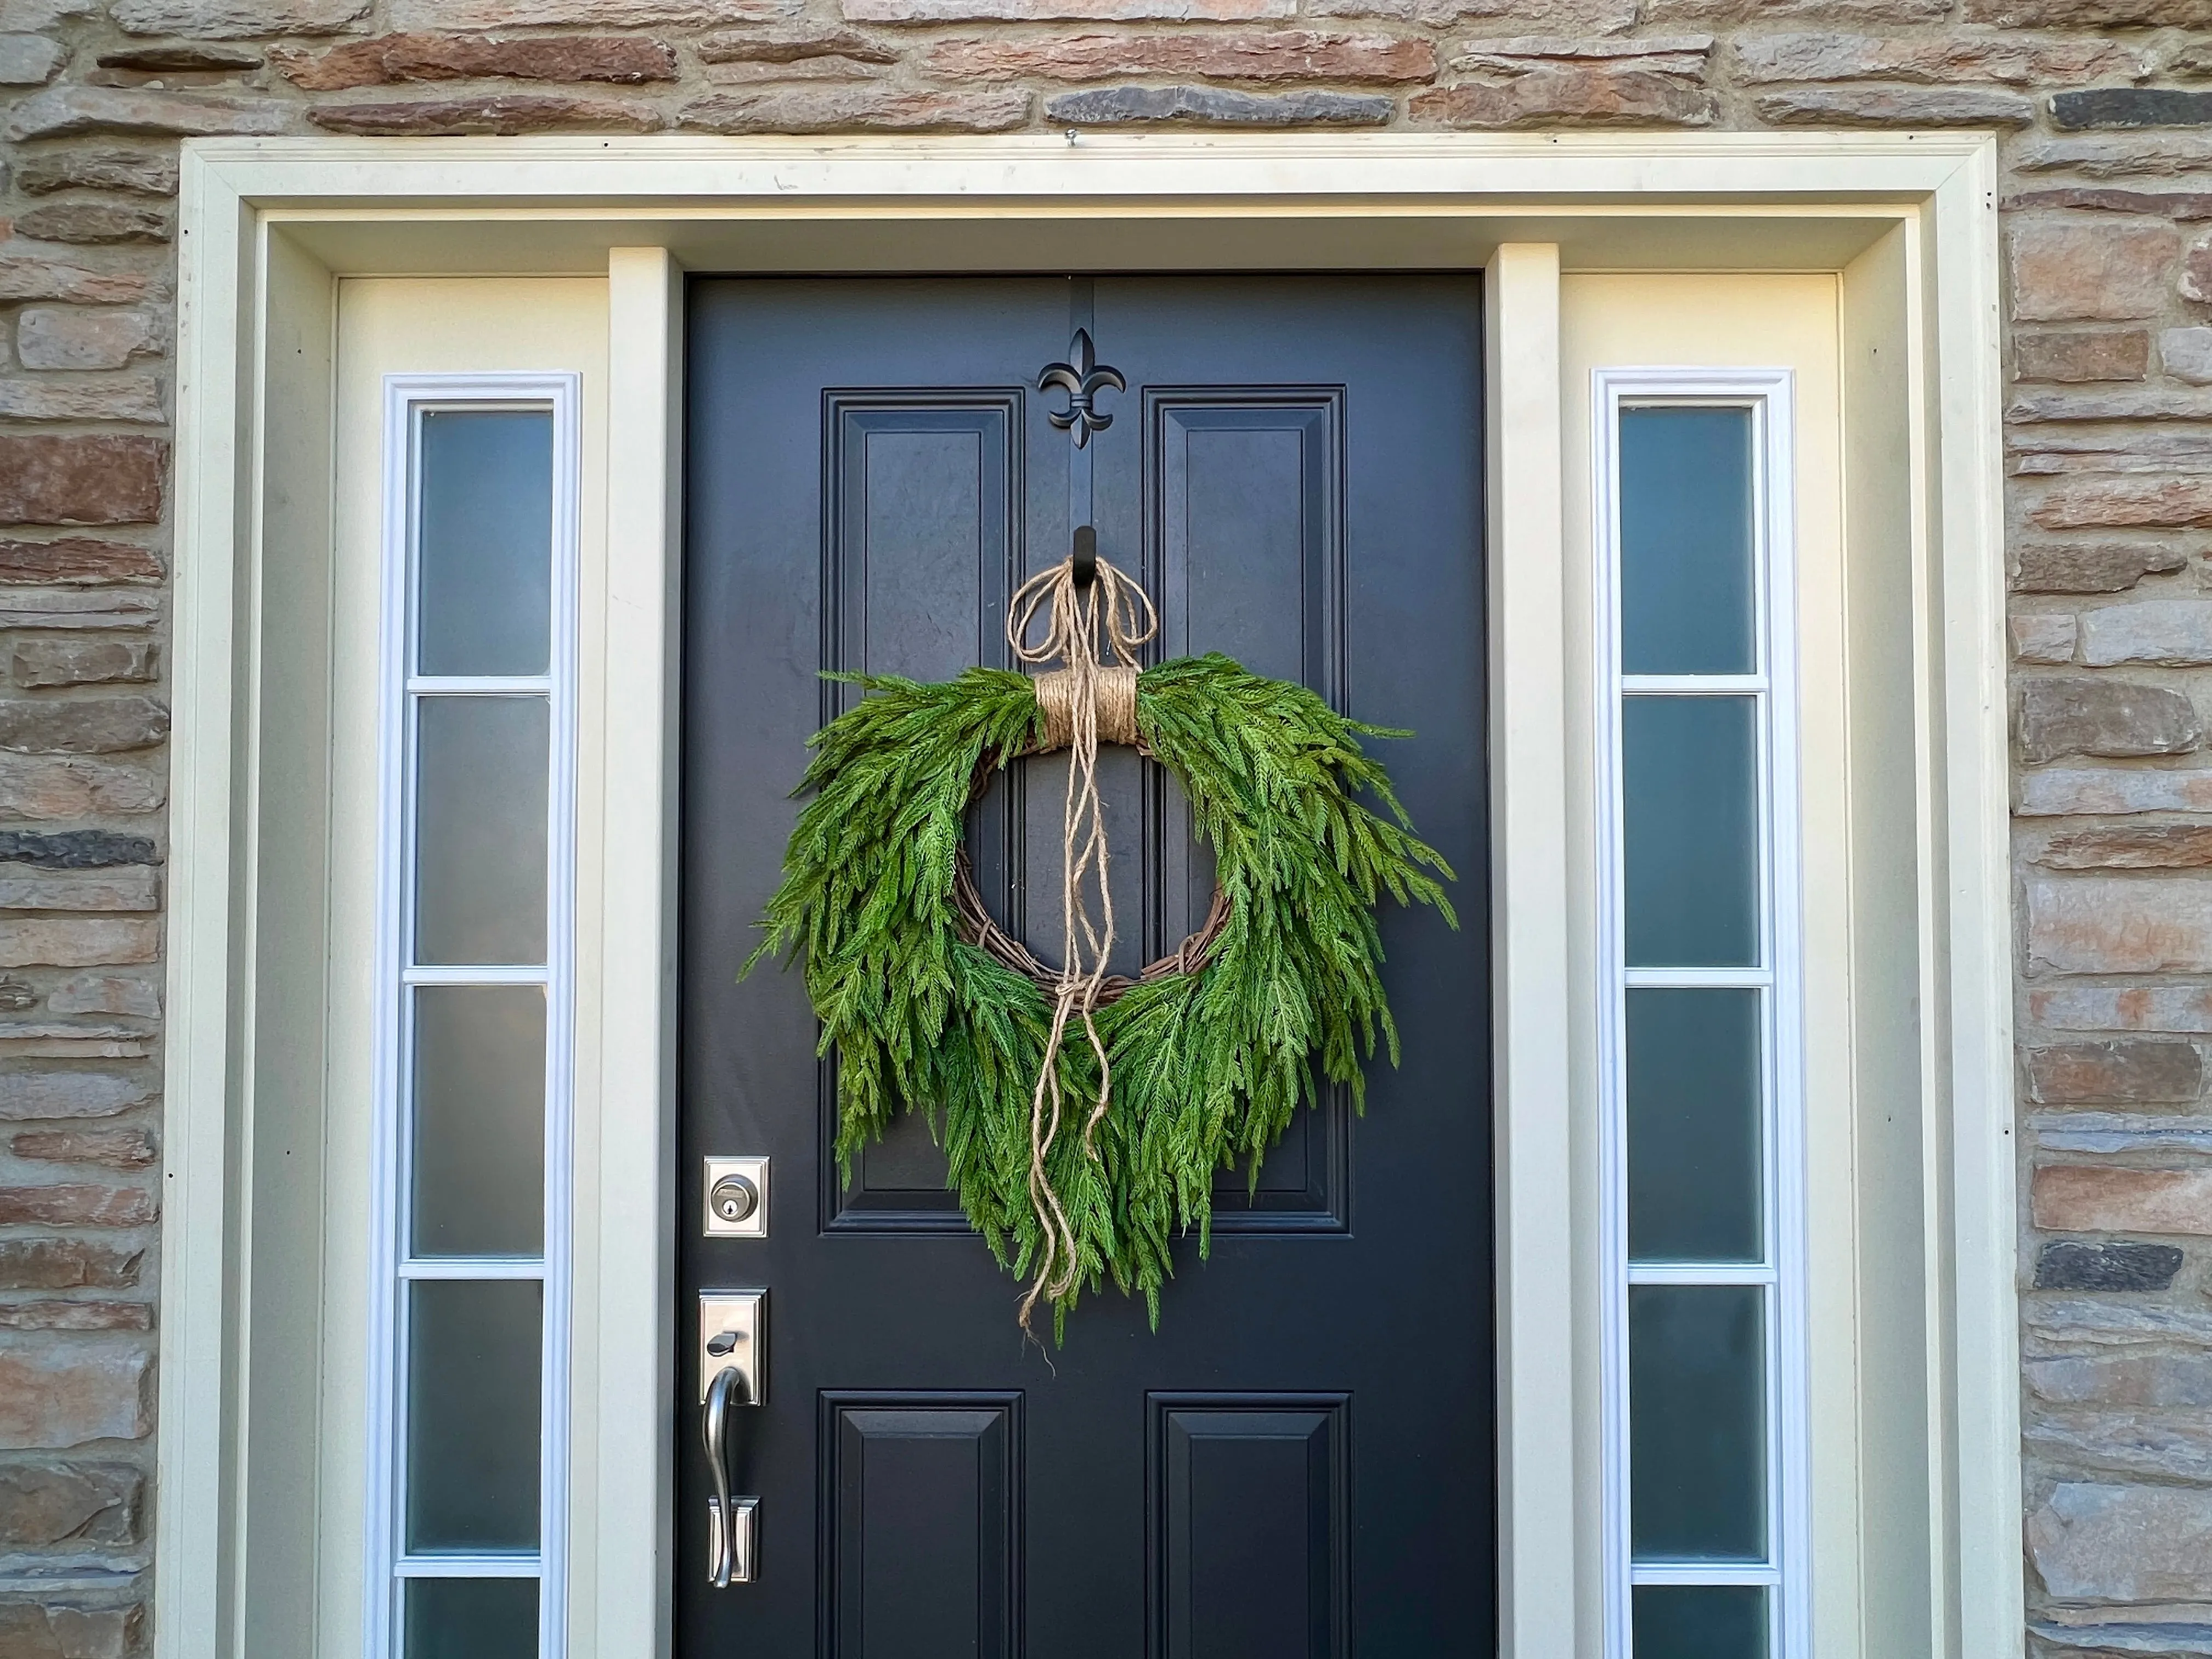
(734, 1198)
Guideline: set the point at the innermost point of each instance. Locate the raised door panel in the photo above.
(922, 522)
(1250, 1544)
(1245, 550)
(922, 1508)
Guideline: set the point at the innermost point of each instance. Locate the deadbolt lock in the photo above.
(737, 1198)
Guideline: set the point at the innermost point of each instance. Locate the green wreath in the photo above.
(930, 1007)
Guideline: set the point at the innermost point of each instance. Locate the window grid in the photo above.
(395, 1265)
(1773, 977)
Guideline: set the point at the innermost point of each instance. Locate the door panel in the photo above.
(1298, 1461)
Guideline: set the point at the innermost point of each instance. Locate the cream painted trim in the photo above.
(1531, 976)
(266, 223)
(636, 955)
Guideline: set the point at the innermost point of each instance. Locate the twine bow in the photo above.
(1085, 700)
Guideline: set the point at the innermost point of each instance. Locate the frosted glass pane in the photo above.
(480, 829)
(484, 571)
(1700, 1621)
(1686, 593)
(472, 1416)
(1690, 788)
(1694, 1178)
(471, 1619)
(1696, 1421)
(479, 1120)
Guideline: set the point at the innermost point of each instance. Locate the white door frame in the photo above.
(268, 225)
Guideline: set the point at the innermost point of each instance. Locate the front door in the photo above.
(1299, 1460)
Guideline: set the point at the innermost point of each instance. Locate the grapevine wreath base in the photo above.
(1084, 1116)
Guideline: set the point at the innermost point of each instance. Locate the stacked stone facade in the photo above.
(2105, 111)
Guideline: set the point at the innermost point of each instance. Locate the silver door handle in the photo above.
(729, 1520)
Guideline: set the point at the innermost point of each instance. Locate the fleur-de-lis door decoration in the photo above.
(1083, 380)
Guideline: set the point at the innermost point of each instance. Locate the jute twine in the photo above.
(1084, 701)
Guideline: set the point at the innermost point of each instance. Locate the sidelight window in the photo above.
(469, 1297)
(1699, 1049)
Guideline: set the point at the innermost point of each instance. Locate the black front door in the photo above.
(1298, 1462)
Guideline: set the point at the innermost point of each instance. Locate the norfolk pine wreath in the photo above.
(1212, 1050)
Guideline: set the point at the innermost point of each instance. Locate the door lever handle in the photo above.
(729, 1520)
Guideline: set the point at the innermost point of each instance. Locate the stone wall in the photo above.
(2106, 109)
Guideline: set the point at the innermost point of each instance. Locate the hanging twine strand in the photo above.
(1084, 703)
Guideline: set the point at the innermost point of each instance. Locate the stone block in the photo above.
(502, 114)
(2148, 631)
(1873, 105)
(2186, 354)
(2069, 1265)
(2152, 1380)
(75, 608)
(75, 788)
(67, 1264)
(2044, 636)
(2068, 272)
(2131, 1072)
(65, 111)
(91, 942)
(1664, 54)
(74, 849)
(1592, 95)
(1216, 106)
(480, 14)
(2129, 1008)
(53, 1398)
(2076, 357)
(98, 167)
(106, 993)
(134, 399)
(2146, 1444)
(59, 1316)
(89, 726)
(185, 56)
(114, 1149)
(95, 222)
(832, 109)
(2090, 568)
(2011, 60)
(48, 1505)
(2130, 107)
(35, 1097)
(29, 16)
(1104, 11)
(2132, 155)
(2139, 503)
(2109, 925)
(1246, 55)
(1579, 16)
(29, 60)
(26, 275)
(26, 887)
(76, 559)
(2105, 1198)
(2095, 1542)
(2132, 847)
(235, 20)
(2077, 715)
(76, 1204)
(396, 57)
(2177, 204)
(48, 1629)
(2090, 14)
(82, 661)
(92, 479)
(792, 44)
(2196, 283)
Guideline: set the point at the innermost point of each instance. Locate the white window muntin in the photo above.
(1766, 394)
(394, 1263)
